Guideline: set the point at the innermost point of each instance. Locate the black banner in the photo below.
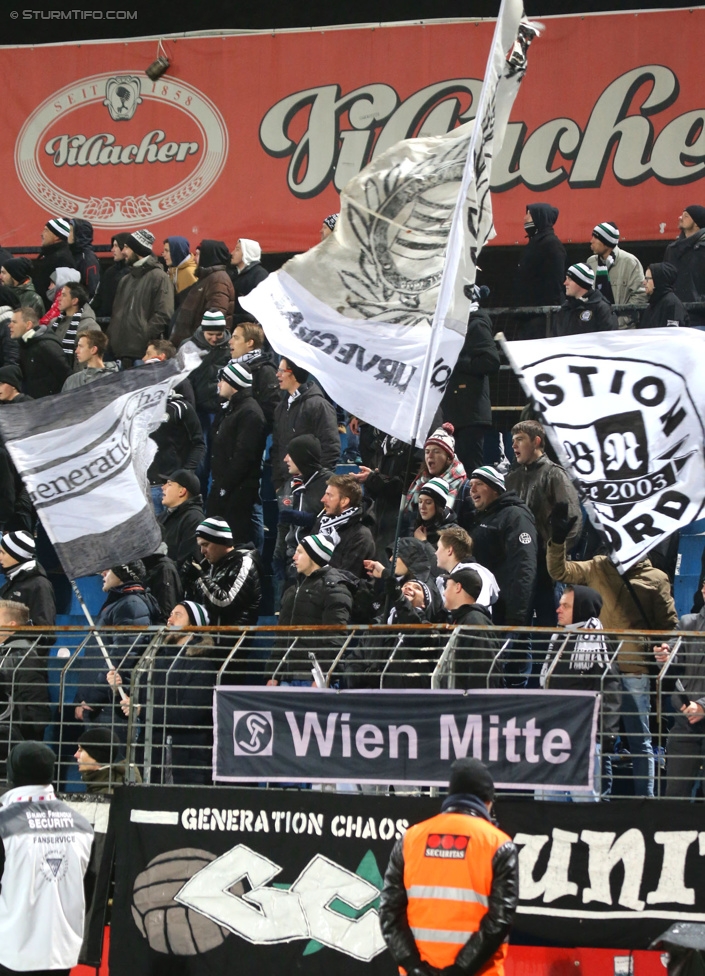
(307, 735)
(288, 881)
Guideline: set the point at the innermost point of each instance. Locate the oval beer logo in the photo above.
(117, 148)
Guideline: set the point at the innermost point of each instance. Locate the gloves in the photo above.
(560, 524)
(422, 969)
(291, 516)
(453, 971)
(191, 571)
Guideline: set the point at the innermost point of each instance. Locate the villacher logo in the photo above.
(163, 143)
(450, 846)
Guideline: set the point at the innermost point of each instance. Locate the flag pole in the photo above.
(99, 639)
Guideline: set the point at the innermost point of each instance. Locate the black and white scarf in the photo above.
(68, 343)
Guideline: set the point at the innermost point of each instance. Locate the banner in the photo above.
(289, 881)
(83, 456)
(637, 453)
(255, 135)
(527, 739)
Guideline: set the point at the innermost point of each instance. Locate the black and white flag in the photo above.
(378, 311)
(625, 412)
(83, 456)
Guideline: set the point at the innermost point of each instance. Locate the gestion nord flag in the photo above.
(83, 456)
(378, 311)
(625, 412)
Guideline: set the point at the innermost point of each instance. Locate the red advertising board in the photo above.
(254, 135)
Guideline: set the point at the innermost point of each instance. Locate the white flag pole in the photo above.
(99, 639)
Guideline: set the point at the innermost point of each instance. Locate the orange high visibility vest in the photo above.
(448, 880)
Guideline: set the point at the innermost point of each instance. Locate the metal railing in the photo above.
(163, 731)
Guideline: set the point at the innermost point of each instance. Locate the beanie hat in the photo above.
(491, 476)
(215, 530)
(582, 275)
(130, 572)
(439, 491)
(141, 242)
(251, 251)
(696, 212)
(18, 268)
(300, 374)
(119, 239)
(319, 547)
(607, 233)
(20, 545)
(101, 744)
(305, 451)
(59, 226)
(11, 374)
(178, 250)
(197, 613)
(443, 437)
(30, 764)
(470, 776)
(331, 220)
(236, 375)
(213, 321)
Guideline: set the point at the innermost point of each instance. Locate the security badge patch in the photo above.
(452, 846)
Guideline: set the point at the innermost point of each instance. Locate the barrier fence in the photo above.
(504, 682)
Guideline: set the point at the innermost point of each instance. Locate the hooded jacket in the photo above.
(591, 314)
(26, 295)
(143, 306)
(104, 297)
(43, 363)
(213, 291)
(308, 413)
(265, 385)
(665, 307)
(183, 266)
(50, 257)
(179, 439)
(466, 401)
(84, 256)
(542, 484)
(204, 379)
(60, 277)
(542, 265)
(688, 256)
(250, 276)
(306, 490)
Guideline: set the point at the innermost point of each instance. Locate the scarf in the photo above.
(467, 803)
(248, 357)
(27, 567)
(68, 343)
(331, 524)
(602, 277)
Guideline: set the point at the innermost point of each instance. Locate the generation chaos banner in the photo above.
(254, 135)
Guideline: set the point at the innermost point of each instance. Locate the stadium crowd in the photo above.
(481, 545)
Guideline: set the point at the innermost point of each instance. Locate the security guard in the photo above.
(451, 887)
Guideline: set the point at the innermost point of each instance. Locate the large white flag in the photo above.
(83, 456)
(625, 412)
(378, 311)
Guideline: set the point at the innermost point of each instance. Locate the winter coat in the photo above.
(43, 363)
(505, 540)
(87, 375)
(420, 561)
(9, 347)
(301, 502)
(323, 598)
(620, 610)
(104, 298)
(626, 276)
(184, 275)
(688, 255)
(50, 257)
(163, 582)
(231, 589)
(27, 296)
(385, 485)
(265, 386)
(30, 585)
(542, 265)
(65, 329)
(24, 694)
(143, 306)
(246, 280)
(104, 779)
(212, 292)
(179, 440)
(442, 520)
(356, 544)
(466, 402)
(179, 529)
(474, 658)
(454, 475)
(688, 667)
(204, 379)
(542, 484)
(238, 440)
(309, 413)
(16, 511)
(85, 259)
(665, 307)
(576, 316)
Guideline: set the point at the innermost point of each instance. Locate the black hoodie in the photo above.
(542, 265)
(665, 307)
(687, 254)
(204, 379)
(591, 314)
(213, 291)
(587, 603)
(84, 256)
(50, 257)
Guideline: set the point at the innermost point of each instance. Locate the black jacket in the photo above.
(179, 439)
(50, 257)
(43, 363)
(689, 668)
(542, 265)
(356, 544)
(466, 401)
(247, 279)
(204, 379)
(385, 485)
(179, 529)
(9, 347)
(594, 314)
(32, 587)
(665, 307)
(688, 255)
(24, 695)
(475, 653)
(231, 589)
(15, 505)
(85, 258)
(504, 540)
(102, 301)
(265, 386)
(309, 413)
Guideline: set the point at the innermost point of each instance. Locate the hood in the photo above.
(179, 249)
(543, 215)
(200, 340)
(82, 232)
(509, 499)
(305, 452)
(416, 557)
(212, 253)
(150, 263)
(588, 603)
(62, 276)
(251, 251)
(664, 275)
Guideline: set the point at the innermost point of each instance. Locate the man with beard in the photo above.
(342, 520)
(687, 253)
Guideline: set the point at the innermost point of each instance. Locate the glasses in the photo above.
(280, 371)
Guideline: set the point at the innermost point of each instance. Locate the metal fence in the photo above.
(157, 700)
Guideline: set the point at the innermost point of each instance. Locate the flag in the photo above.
(83, 456)
(378, 310)
(625, 412)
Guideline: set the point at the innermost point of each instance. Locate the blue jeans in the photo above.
(635, 718)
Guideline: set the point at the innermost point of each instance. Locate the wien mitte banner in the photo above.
(255, 135)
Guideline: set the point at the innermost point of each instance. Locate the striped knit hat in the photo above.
(215, 530)
(439, 491)
(491, 476)
(59, 226)
(331, 220)
(607, 233)
(213, 321)
(20, 545)
(197, 613)
(581, 275)
(236, 375)
(319, 547)
(141, 242)
(443, 437)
